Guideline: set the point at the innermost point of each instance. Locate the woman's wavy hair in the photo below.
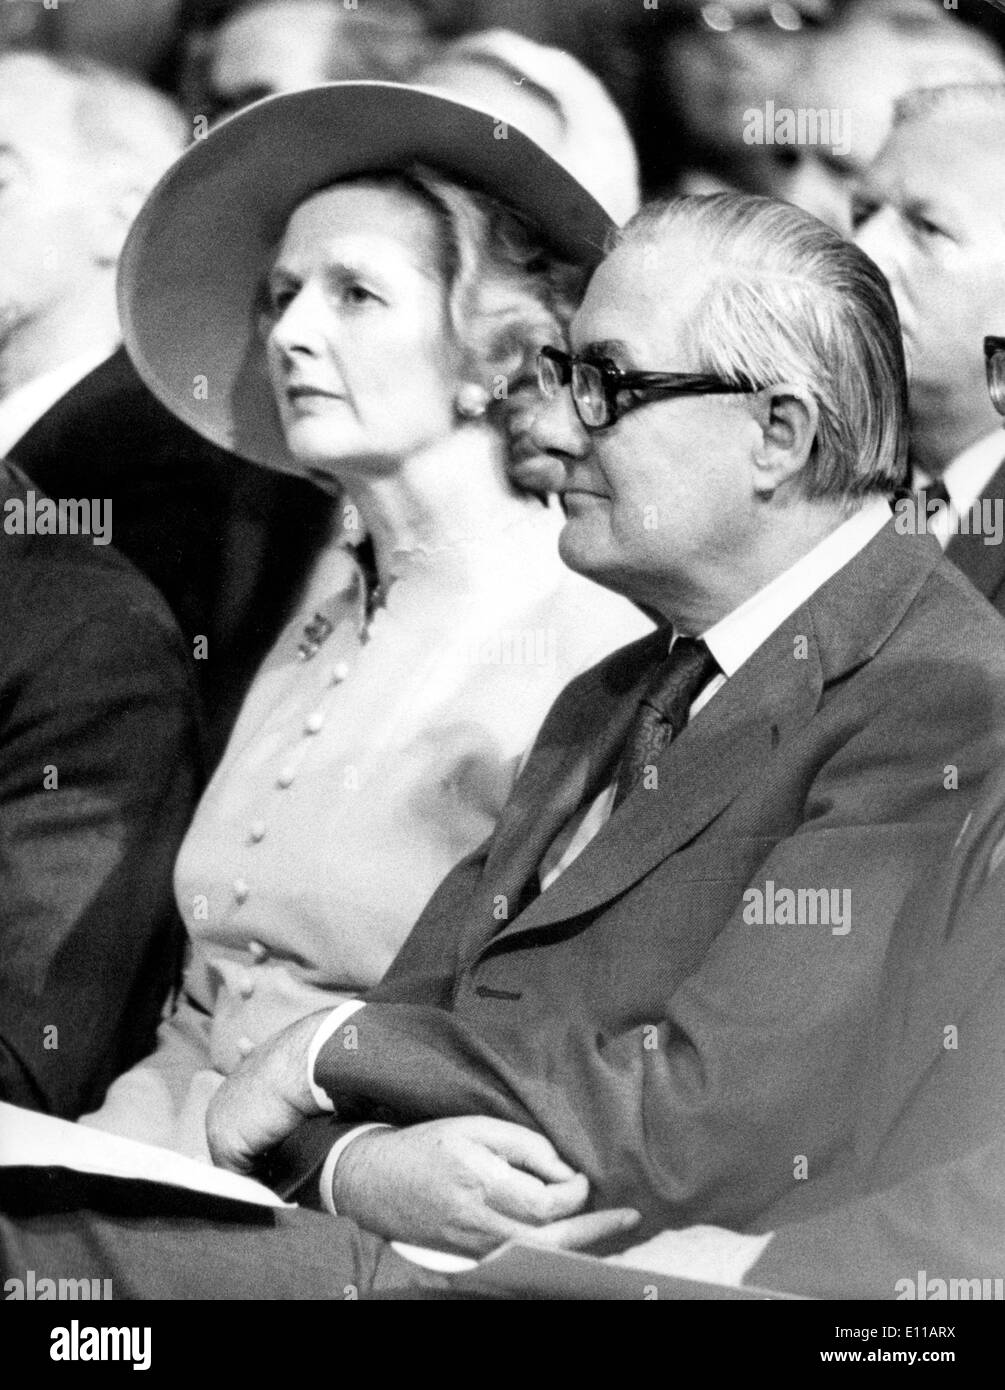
(507, 294)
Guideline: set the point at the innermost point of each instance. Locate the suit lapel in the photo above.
(984, 565)
(573, 759)
(761, 707)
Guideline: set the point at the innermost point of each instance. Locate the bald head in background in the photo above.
(80, 147)
(931, 212)
(860, 69)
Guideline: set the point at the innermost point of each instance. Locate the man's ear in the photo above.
(788, 418)
(118, 214)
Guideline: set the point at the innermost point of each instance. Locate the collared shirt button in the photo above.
(338, 673)
(285, 778)
(244, 1046)
(241, 890)
(257, 831)
(246, 986)
(315, 722)
(257, 951)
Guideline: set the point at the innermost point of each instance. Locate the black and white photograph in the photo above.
(502, 669)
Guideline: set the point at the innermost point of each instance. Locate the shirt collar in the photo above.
(735, 638)
(970, 472)
(26, 406)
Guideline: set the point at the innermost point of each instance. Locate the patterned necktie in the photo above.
(663, 709)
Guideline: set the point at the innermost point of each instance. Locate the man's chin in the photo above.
(584, 553)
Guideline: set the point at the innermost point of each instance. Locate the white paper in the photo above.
(31, 1140)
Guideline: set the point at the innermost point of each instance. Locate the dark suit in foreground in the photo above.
(684, 1058)
(922, 1186)
(100, 770)
(228, 544)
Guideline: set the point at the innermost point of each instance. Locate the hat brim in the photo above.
(194, 262)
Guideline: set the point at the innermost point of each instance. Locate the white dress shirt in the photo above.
(732, 641)
(965, 479)
(26, 406)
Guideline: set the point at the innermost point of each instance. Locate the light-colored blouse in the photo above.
(353, 782)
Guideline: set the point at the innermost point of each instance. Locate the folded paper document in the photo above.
(30, 1140)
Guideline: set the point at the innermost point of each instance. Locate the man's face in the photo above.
(931, 213)
(52, 217)
(659, 504)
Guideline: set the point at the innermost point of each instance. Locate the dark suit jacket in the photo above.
(95, 685)
(682, 1057)
(922, 1186)
(984, 565)
(228, 544)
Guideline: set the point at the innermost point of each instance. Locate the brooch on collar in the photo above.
(317, 631)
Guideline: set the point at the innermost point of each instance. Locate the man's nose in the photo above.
(877, 237)
(558, 431)
(826, 194)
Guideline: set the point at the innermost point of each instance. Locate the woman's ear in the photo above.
(788, 418)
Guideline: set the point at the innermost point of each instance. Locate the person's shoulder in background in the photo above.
(100, 770)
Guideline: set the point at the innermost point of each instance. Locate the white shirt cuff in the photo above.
(330, 1025)
(327, 1179)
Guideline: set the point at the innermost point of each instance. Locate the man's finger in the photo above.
(526, 1149)
(524, 1198)
(578, 1232)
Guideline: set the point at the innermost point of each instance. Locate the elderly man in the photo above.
(917, 1201)
(80, 147)
(650, 990)
(931, 213)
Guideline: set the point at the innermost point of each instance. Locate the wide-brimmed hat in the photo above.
(192, 269)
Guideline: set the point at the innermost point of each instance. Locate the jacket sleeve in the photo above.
(100, 768)
(745, 1080)
(945, 1222)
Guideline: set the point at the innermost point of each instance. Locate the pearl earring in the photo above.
(472, 401)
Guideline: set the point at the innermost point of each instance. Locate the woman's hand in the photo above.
(264, 1100)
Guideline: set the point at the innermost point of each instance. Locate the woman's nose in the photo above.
(300, 326)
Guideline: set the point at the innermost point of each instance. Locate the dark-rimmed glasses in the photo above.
(598, 386)
(994, 357)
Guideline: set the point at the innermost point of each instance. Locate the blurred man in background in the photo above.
(718, 63)
(266, 46)
(931, 213)
(80, 147)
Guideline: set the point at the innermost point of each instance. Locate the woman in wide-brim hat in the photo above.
(344, 283)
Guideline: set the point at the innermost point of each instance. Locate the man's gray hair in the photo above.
(787, 299)
(955, 98)
(124, 130)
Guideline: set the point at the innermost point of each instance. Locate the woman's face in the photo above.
(360, 353)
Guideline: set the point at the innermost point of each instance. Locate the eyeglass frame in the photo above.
(657, 385)
(993, 346)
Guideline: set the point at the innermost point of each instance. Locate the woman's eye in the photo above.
(357, 294)
(927, 228)
(280, 299)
